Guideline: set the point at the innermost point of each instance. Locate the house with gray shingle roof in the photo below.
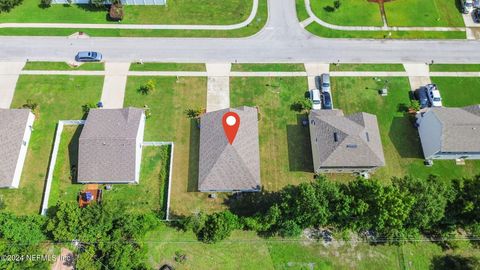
(110, 146)
(225, 167)
(15, 130)
(345, 144)
(450, 133)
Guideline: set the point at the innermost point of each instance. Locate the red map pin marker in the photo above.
(231, 123)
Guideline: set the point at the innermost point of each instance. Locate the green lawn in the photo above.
(321, 31)
(149, 194)
(458, 91)
(424, 13)
(268, 67)
(455, 67)
(275, 253)
(194, 16)
(176, 12)
(366, 67)
(350, 13)
(169, 123)
(401, 143)
(285, 151)
(59, 98)
(62, 66)
(151, 66)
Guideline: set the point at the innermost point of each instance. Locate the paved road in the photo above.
(282, 40)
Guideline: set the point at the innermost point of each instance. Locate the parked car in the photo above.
(315, 98)
(476, 15)
(327, 101)
(422, 96)
(467, 6)
(88, 57)
(325, 82)
(434, 95)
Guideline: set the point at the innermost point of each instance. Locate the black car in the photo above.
(326, 101)
(476, 15)
(422, 96)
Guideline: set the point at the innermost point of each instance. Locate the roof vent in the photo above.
(351, 146)
(368, 137)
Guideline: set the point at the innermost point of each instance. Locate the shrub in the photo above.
(116, 12)
(193, 113)
(7, 5)
(147, 88)
(218, 226)
(33, 106)
(301, 105)
(337, 4)
(86, 107)
(45, 3)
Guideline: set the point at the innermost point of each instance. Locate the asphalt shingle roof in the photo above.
(107, 145)
(460, 128)
(225, 167)
(345, 141)
(12, 130)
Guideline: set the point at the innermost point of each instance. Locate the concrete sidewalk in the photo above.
(9, 73)
(218, 86)
(313, 70)
(418, 75)
(114, 85)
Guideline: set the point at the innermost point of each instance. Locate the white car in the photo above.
(315, 98)
(434, 96)
(467, 6)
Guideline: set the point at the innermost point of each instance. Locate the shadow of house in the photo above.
(405, 138)
(299, 146)
(73, 154)
(194, 152)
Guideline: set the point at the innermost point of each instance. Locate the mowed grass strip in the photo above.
(148, 195)
(285, 151)
(424, 13)
(168, 122)
(62, 66)
(58, 98)
(350, 12)
(152, 66)
(176, 12)
(458, 91)
(258, 67)
(366, 67)
(401, 143)
(455, 67)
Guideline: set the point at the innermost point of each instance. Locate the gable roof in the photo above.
(460, 128)
(345, 141)
(12, 129)
(224, 166)
(107, 145)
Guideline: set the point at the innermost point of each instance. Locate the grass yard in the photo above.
(149, 194)
(285, 151)
(267, 67)
(458, 91)
(274, 253)
(424, 13)
(366, 67)
(350, 13)
(176, 12)
(151, 66)
(62, 66)
(224, 14)
(58, 98)
(168, 122)
(401, 143)
(455, 67)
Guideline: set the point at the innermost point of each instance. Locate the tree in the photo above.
(7, 5)
(64, 221)
(430, 197)
(147, 88)
(301, 105)
(218, 226)
(465, 207)
(290, 229)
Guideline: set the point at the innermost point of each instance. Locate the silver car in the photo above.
(325, 82)
(88, 57)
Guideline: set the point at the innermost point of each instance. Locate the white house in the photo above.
(110, 146)
(450, 133)
(16, 126)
